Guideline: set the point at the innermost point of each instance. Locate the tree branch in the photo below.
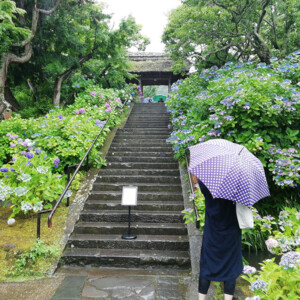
(49, 12)
(262, 15)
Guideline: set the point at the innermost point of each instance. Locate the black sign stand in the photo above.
(129, 235)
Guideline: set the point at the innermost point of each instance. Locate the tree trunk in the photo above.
(261, 48)
(9, 58)
(3, 74)
(61, 77)
(57, 90)
(10, 98)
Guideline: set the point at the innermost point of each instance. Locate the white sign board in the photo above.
(129, 195)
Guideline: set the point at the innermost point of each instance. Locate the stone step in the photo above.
(114, 241)
(144, 131)
(140, 156)
(166, 148)
(130, 179)
(146, 124)
(146, 216)
(148, 159)
(142, 187)
(141, 143)
(150, 117)
(124, 258)
(139, 172)
(141, 165)
(136, 228)
(140, 134)
(169, 154)
(142, 196)
(148, 206)
(140, 125)
(140, 137)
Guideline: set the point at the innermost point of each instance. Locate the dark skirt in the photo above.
(221, 253)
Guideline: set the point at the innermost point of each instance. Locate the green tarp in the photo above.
(158, 97)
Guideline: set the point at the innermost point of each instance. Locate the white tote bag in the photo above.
(244, 216)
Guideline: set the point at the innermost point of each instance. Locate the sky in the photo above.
(151, 14)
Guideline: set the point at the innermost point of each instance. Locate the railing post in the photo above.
(68, 198)
(38, 227)
(87, 163)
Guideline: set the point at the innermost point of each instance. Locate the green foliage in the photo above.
(25, 261)
(189, 214)
(276, 281)
(149, 91)
(208, 32)
(80, 42)
(249, 104)
(10, 33)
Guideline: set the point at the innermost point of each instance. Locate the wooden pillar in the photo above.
(142, 88)
(169, 84)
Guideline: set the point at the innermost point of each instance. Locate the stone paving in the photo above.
(125, 284)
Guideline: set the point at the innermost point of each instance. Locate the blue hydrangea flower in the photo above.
(21, 191)
(290, 260)
(258, 284)
(38, 207)
(42, 170)
(26, 206)
(24, 177)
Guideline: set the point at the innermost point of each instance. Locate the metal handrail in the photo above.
(53, 210)
(193, 191)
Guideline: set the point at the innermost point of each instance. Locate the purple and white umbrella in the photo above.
(229, 171)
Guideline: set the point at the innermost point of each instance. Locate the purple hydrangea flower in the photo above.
(29, 155)
(38, 151)
(4, 170)
(56, 161)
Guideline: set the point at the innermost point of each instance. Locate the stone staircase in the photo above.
(138, 156)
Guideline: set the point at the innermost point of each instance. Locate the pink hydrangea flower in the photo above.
(106, 105)
(92, 93)
(292, 150)
(271, 243)
(249, 270)
(108, 110)
(77, 112)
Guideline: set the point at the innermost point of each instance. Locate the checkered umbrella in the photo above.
(229, 171)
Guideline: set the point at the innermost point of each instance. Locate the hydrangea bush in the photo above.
(34, 153)
(279, 280)
(251, 104)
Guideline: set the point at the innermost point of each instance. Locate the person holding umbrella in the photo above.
(227, 174)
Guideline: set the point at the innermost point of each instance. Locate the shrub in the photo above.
(253, 105)
(35, 152)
